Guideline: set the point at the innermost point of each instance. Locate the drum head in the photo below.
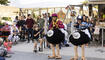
(79, 38)
(50, 33)
(55, 36)
(76, 35)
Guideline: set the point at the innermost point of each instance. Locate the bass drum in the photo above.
(55, 36)
(79, 38)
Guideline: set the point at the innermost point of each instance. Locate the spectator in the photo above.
(45, 23)
(92, 25)
(84, 23)
(50, 18)
(29, 23)
(16, 20)
(3, 51)
(21, 23)
(14, 34)
(78, 23)
(83, 18)
(5, 31)
(6, 27)
(8, 44)
(40, 22)
(96, 32)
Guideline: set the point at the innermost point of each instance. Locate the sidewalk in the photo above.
(24, 51)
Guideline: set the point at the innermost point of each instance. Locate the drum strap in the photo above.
(55, 24)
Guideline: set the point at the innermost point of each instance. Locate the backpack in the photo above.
(3, 52)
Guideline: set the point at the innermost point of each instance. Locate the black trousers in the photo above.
(30, 34)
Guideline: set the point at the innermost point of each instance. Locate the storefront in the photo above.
(101, 8)
(100, 16)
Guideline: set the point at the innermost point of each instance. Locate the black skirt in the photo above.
(82, 40)
(57, 37)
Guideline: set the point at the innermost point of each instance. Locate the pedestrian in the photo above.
(29, 23)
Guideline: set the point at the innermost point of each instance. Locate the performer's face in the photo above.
(54, 18)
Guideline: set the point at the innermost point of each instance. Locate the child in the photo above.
(14, 34)
(36, 33)
(8, 44)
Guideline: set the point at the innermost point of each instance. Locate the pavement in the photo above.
(24, 51)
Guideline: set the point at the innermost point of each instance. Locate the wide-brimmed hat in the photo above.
(54, 15)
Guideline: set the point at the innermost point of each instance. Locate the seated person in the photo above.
(14, 34)
(3, 51)
(8, 45)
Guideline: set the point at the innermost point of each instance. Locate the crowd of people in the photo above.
(39, 31)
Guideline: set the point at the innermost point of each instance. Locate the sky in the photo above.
(25, 3)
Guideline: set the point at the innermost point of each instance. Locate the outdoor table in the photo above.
(102, 35)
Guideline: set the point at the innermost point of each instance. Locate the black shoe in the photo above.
(67, 45)
(40, 49)
(35, 51)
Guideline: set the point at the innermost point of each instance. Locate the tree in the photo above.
(4, 2)
(85, 2)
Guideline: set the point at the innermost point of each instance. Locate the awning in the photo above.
(44, 3)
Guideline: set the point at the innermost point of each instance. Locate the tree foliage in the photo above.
(4, 2)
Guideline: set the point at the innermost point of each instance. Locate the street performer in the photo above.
(55, 36)
(79, 37)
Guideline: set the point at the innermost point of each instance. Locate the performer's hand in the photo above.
(43, 32)
(38, 32)
(35, 35)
